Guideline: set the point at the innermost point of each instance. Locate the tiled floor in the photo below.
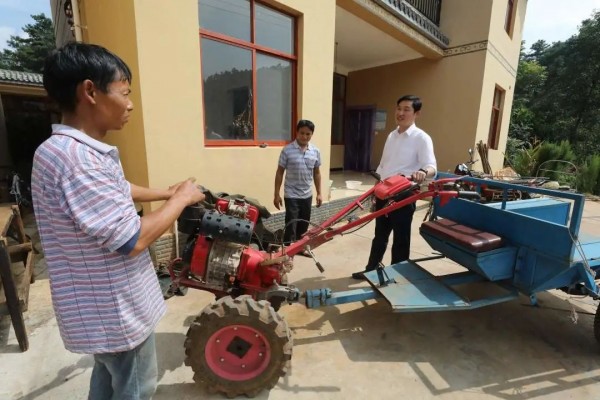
(338, 180)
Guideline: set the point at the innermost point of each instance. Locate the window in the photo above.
(508, 20)
(248, 72)
(339, 109)
(496, 120)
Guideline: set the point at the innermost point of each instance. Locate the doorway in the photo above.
(358, 138)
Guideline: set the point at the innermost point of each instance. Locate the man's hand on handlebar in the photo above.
(419, 176)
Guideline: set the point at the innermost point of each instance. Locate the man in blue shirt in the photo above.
(301, 161)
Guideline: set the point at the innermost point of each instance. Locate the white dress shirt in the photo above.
(406, 152)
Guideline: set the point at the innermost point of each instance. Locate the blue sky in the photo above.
(551, 20)
(14, 14)
(554, 20)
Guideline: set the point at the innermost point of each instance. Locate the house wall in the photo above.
(165, 143)
(457, 91)
(112, 24)
(501, 69)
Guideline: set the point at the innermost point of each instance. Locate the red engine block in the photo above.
(214, 257)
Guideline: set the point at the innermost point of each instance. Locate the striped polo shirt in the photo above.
(104, 301)
(299, 168)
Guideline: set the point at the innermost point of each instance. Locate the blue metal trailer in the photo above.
(516, 247)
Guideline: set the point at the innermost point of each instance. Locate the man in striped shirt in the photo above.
(105, 293)
(301, 162)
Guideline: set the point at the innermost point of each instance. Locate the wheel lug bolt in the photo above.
(218, 341)
(222, 359)
(243, 365)
(260, 354)
(256, 335)
(235, 328)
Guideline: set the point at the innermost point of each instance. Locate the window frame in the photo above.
(496, 118)
(509, 18)
(254, 48)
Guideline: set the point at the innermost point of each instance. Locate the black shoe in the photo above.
(361, 274)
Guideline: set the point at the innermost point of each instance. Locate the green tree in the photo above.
(531, 77)
(557, 92)
(28, 53)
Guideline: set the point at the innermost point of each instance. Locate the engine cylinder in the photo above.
(226, 227)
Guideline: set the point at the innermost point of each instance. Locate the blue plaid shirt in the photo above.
(299, 169)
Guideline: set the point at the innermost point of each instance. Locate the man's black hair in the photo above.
(416, 101)
(68, 66)
(305, 123)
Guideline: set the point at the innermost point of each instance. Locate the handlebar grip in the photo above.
(467, 194)
(320, 267)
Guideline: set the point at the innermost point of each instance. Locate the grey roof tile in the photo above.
(20, 78)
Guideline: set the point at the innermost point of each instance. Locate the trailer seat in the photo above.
(472, 239)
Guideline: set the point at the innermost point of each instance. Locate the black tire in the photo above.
(597, 324)
(244, 315)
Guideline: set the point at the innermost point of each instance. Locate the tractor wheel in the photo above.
(597, 324)
(238, 347)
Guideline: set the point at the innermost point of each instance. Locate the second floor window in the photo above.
(248, 72)
(496, 119)
(508, 20)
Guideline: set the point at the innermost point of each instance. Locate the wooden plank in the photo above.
(21, 275)
(12, 299)
(6, 216)
(17, 224)
(19, 248)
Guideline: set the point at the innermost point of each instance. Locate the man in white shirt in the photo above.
(408, 151)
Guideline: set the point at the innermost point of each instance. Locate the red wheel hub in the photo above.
(238, 353)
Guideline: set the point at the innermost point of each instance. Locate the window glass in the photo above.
(227, 83)
(274, 93)
(274, 29)
(229, 17)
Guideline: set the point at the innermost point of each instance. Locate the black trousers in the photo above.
(296, 209)
(398, 221)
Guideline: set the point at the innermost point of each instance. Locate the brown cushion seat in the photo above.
(474, 240)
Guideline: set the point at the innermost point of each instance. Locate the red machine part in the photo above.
(392, 185)
(249, 272)
(200, 256)
(239, 208)
(238, 352)
(254, 276)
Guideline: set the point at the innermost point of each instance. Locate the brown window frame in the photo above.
(496, 117)
(254, 48)
(509, 18)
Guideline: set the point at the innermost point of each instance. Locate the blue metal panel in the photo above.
(495, 265)
(518, 230)
(415, 290)
(575, 274)
(590, 245)
(551, 210)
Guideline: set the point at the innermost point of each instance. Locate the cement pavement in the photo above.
(358, 350)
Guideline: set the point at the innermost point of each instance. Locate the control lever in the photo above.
(375, 175)
(312, 255)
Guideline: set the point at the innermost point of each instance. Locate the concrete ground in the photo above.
(358, 350)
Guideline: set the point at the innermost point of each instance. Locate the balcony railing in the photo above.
(424, 15)
(429, 8)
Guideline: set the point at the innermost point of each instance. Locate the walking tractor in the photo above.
(240, 345)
